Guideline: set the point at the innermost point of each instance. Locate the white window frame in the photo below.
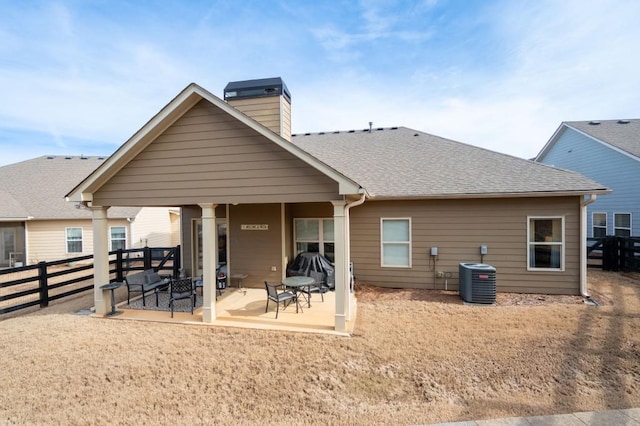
(408, 243)
(321, 241)
(530, 244)
(593, 221)
(67, 240)
(111, 239)
(615, 228)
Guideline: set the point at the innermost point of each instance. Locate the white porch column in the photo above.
(209, 261)
(347, 251)
(341, 265)
(100, 258)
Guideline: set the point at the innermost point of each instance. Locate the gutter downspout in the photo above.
(347, 207)
(583, 244)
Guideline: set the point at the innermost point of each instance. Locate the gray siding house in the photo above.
(380, 198)
(607, 151)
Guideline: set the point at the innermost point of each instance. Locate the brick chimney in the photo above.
(266, 100)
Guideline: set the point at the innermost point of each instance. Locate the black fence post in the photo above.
(147, 258)
(176, 261)
(44, 284)
(609, 254)
(119, 267)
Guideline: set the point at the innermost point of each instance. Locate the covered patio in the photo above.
(245, 308)
(225, 170)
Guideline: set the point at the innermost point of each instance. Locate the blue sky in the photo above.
(80, 77)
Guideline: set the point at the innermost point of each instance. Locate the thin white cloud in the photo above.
(502, 75)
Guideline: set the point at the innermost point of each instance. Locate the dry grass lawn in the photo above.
(416, 357)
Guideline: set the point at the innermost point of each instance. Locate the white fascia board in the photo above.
(550, 143)
(495, 195)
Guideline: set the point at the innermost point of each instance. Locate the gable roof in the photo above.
(178, 106)
(621, 135)
(35, 189)
(399, 162)
(384, 163)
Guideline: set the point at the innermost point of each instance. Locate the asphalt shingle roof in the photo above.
(401, 162)
(622, 134)
(36, 188)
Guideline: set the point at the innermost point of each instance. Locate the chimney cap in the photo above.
(256, 89)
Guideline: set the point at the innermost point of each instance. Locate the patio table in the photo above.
(298, 283)
(112, 286)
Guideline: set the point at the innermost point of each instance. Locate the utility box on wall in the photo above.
(477, 283)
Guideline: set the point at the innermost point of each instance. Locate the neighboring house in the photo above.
(37, 224)
(607, 151)
(381, 198)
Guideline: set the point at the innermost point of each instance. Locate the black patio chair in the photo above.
(198, 283)
(319, 285)
(284, 297)
(180, 289)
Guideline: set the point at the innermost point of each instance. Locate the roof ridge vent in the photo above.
(352, 131)
(624, 121)
(594, 122)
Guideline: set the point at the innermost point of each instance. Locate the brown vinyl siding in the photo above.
(458, 228)
(255, 252)
(285, 111)
(208, 156)
(265, 110)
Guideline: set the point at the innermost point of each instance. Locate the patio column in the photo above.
(341, 265)
(100, 258)
(209, 261)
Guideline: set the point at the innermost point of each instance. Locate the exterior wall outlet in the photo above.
(440, 274)
(274, 268)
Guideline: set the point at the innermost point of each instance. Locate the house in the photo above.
(37, 224)
(404, 206)
(607, 151)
